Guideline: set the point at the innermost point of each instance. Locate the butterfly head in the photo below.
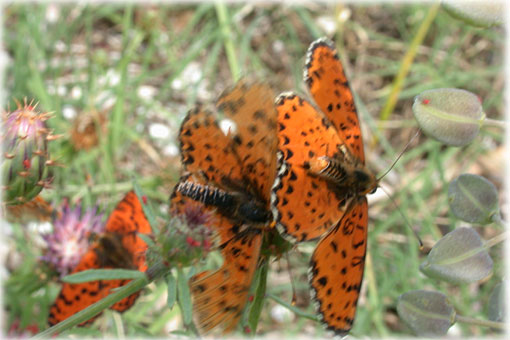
(367, 183)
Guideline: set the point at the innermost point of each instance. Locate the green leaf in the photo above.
(473, 199)
(147, 209)
(427, 313)
(172, 290)
(260, 295)
(476, 13)
(451, 116)
(459, 257)
(184, 297)
(292, 308)
(147, 239)
(103, 274)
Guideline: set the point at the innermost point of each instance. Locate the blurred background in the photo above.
(119, 79)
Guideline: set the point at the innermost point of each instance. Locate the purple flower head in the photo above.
(70, 237)
(195, 215)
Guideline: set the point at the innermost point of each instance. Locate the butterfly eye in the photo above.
(373, 190)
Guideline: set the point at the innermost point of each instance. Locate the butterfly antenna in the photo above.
(400, 155)
(420, 242)
(294, 295)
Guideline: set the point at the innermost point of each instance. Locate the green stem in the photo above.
(132, 287)
(296, 310)
(407, 62)
(91, 311)
(486, 323)
(80, 190)
(373, 296)
(496, 219)
(495, 240)
(494, 122)
(222, 13)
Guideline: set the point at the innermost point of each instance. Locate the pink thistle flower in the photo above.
(70, 237)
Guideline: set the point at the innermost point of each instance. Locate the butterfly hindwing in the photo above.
(336, 270)
(219, 297)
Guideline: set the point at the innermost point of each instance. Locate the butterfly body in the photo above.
(350, 179)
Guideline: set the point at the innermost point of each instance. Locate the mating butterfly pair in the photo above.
(288, 165)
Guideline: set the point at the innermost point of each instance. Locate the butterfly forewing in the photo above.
(251, 107)
(325, 77)
(205, 148)
(304, 206)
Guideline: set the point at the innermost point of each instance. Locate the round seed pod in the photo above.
(451, 116)
(476, 13)
(473, 199)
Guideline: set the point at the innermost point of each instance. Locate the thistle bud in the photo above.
(26, 165)
(186, 238)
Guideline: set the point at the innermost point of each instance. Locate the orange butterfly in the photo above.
(231, 176)
(118, 247)
(322, 182)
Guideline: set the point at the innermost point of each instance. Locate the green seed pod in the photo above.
(427, 313)
(458, 257)
(473, 199)
(496, 306)
(476, 13)
(451, 116)
(26, 163)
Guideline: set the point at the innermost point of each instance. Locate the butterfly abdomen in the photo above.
(206, 194)
(356, 178)
(236, 206)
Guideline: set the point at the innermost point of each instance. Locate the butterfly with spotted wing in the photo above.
(320, 188)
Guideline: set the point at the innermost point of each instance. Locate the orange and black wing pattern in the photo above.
(219, 297)
(321, 182)
(118, 247)
(240, 164)
(304, 206)
(324, 74)
(205, 150)
(336, 268)
(251, 107)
